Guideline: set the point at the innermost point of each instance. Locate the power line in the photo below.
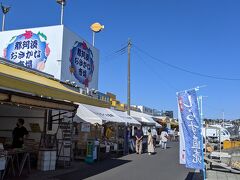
(115, 54)
(182, 69)
(156, 72)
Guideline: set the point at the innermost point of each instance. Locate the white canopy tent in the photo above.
(128, 119)
(144, 118)
(140, 117)
(149, 118)
(85, 115)
(106, 115)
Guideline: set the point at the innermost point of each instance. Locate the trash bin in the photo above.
(91, 151)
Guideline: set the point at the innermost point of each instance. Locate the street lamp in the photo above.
(62, 3)
(5, 10)
(96, 27)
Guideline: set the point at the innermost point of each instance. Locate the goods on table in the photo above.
(210, 148)
(236, 165)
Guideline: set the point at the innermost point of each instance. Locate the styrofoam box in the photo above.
(43, 165)
(107, 148)
(115, 147)
(47, 155)
(53, 155)
(46, 165)
(2, 163)
(44, 155)
(52, 165)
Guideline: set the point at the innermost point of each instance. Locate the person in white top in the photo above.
(150, 143)
(164, 138)
(154, 136)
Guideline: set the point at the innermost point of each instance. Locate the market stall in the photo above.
(110, 129)
(87, 126)
(36, 146)
(131, 123)
(46, 105)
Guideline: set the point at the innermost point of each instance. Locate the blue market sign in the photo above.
(28, 50)
(82, 64)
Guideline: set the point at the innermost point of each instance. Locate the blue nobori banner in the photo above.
(191, 128)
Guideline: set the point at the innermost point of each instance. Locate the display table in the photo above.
(17, 158)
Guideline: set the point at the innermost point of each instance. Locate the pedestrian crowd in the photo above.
(147, 143)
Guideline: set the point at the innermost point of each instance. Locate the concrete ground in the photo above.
(221, 175)
(161, 166)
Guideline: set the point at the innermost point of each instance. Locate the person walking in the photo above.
(154, 136)
(150, 143)
(139, 138)
(164, 138)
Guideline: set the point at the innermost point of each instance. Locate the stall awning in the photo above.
(10, 97)
(150, 119)
(85, 115)
(105, 114)
(140, 117)
(144, 118)
(19, 80)
(128, 119)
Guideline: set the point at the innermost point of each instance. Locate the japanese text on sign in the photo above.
(192, 128)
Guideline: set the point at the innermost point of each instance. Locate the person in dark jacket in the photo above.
(18, 134)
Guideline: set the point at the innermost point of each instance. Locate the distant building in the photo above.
(116, 104)
(148, 110)
(168, 114)
(157, 112)
(145, 109)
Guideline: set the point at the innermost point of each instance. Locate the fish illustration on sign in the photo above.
(28, 34)
(97, 27)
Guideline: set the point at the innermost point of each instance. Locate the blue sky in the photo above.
(201, 36)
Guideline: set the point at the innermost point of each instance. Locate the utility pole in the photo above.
(200, 103)
(223, 114)
(128, 84)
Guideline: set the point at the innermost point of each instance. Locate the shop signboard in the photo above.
(85, 127)
(53, 50)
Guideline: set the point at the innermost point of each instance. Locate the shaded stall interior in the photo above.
(43, 118)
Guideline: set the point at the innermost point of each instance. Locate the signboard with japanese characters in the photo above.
(191, 127)
(35, 48)
(80, 61)
(53, 50)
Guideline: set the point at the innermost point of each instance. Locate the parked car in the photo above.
(212, 133)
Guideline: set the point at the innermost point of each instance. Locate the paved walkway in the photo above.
(161, 166)
(220, 175)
